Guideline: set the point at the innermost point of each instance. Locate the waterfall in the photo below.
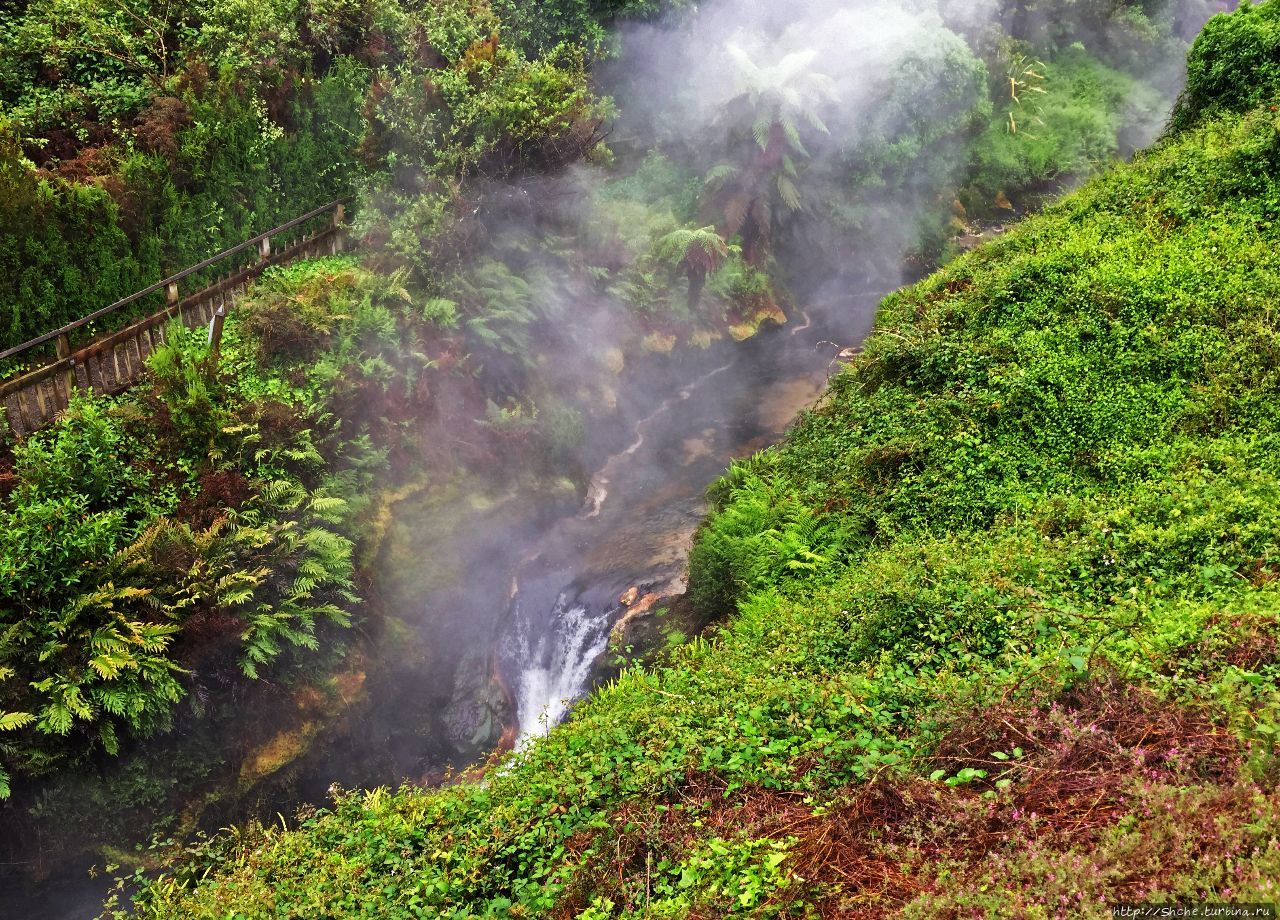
(556, 660)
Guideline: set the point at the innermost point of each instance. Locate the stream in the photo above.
(643, 505)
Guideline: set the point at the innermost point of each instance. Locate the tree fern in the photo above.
(697, 251)
(779, 99)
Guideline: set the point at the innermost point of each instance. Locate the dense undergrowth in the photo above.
(137, 138)
(1003, 615)
(203, 524)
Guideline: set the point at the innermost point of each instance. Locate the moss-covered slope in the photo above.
(1004, 619)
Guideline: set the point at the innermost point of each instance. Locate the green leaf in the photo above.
(13, 720)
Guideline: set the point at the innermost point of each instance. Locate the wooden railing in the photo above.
(111, 362)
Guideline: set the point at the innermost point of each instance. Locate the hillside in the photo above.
(1002, 614)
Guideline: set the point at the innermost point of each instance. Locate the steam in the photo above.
(852, 77)
(547, 261)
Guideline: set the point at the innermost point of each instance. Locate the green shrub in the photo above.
(1234, 65)
(184, 377)
(85, 454)
(1068, 132)
(139, 529)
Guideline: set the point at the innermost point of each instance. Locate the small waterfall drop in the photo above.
(557, 662)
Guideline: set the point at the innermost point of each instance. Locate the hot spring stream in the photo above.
(636, 527)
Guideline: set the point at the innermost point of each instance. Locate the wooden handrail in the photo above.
(172, 280)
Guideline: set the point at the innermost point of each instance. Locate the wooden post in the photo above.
(264, 248)
(63, 345)
(338, 213)
(171, 301)
(215, 333)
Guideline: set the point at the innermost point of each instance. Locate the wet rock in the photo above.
(479, 710)
(653, 624)
(975, 233)
(283, 749)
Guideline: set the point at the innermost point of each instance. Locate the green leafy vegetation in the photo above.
(162, 548)
(138, 137)
(1004, 621)
(201, 525)
(1234, 65)
(95, 208)
(201, 529)
(1068, 129)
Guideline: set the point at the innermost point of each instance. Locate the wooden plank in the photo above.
(42, 407)
(127, 365)
(63, 345)
(82, 375)
(120, 370)
(110, 341)
(61, 393)
(94, 364)
(134, 351)
(12, 415)
(110, 373)
(107, 368)
(30, 411)
(145, 345)
(51, 397)
(17, 384)
(43, 411)
(39, 402)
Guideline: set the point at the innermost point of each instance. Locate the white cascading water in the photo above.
(558, 664)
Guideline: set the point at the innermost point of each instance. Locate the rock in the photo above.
(629, 596)
(652, 625)
(658, 343)
(283, 749)
(479, 710)
(644, 605)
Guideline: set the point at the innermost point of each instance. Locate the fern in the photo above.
(788, 193)
(9, 721)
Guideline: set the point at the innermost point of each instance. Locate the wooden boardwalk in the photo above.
(111, 362)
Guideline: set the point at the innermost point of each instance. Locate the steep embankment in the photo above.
(1007, 617)
(1006, 624)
